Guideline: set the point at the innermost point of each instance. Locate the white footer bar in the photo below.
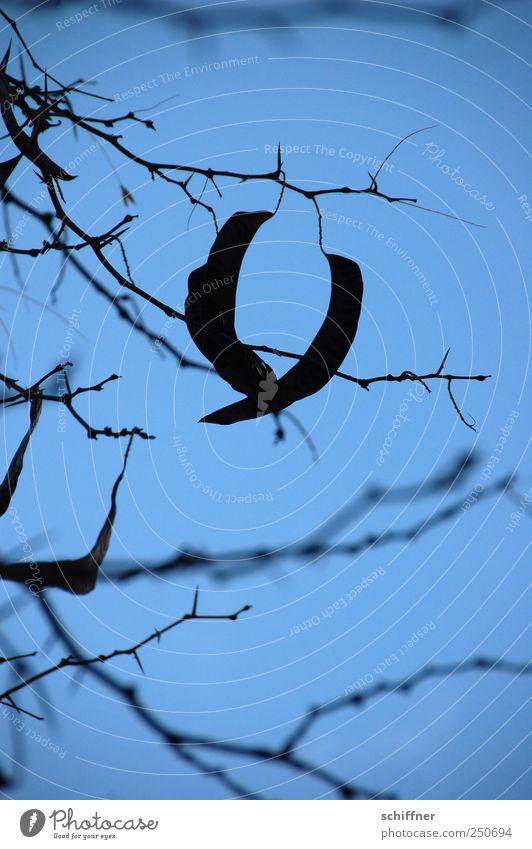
(268, 825)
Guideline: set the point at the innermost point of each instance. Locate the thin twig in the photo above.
(67, 398)
(73, 661)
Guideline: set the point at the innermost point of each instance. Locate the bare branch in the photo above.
(357, 698)
(73, 661)
(229, 564)
(34, 392)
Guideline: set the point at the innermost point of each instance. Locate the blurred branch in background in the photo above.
(298, 13)
(198, 751)
(357, 698)
(232, 564)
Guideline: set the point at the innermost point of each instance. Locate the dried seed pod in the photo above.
(77, 576)
(211, 301)
(323, 357)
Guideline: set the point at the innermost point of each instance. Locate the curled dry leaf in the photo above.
(76, 576)
(323, 357)
(9, 484)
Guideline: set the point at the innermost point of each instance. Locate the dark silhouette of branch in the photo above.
(35, 395)
(27, 145)
(17, 657)
(57, 244)
(132, 651)
(28, 112)
(365, 383)
(228, 565)
(62, 88)
(160, 342)
(6, 169)
(193, 748)
(53, 110)
(357, 699)
(61, 112)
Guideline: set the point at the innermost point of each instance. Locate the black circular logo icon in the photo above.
(32, 822)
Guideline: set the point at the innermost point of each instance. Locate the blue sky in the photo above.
(337, 95)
